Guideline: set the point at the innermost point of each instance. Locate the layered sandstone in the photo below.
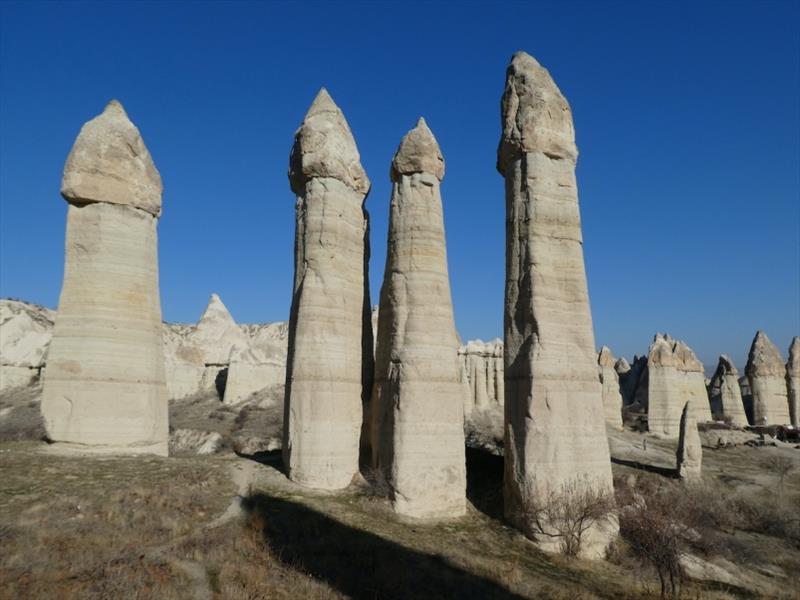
(104, 386)
(793, 381)
(689, 456)
(612, 397)
(330, 337)
(766, 373)
(674, 377)
(481, 374)
(725, 394)
(261, 363)
(417, 402)
(555, 432)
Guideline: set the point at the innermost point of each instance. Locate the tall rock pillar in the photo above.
(417, 403)
(554, 424)
(330, 336)
(104, 386)
(793, 381)
(726, 395)
(612, 397)
(766, 373)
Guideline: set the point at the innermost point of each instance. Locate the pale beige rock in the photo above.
(793, 381)
(193, 441)
(481, 375)
(612, 398)
(725, 395)
(25, 332)
(555, 430)
(262, 363)
(689, 456)
(674, 376)
(104, 386)
(330, 338)
(766, 372)
(417, 404)
(217, 334)
(109, 163)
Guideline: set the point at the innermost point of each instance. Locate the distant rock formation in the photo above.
(555, 430)
(25, 333)
(690, 448)
(674, 377)
(104, 386)
(330, 337)
(725, 395)
(766, 373)
(612, 398)
(259, 364)
(793, 381)
(481, 374)
(417, 405)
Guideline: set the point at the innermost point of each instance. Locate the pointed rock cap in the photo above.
(685, 358)
(110, 163)
(660, 354)
(726, 366)
(418, 153)
(793, 365)
(765, 359)
(622, 366)
(216, 312)
(605, 358)
(535, 116)
(324, 147)
(217, 334)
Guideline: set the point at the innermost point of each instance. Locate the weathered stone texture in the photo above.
(105, 385)
(766, 373)
(689, 456)
(612, 398)
(481, 374)
(725, 395)
(674, 376)
(793, 381)
(555, 431)
(25, 332)
(417, 402)
(330, 338)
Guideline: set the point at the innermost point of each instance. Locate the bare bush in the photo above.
(566, 514)
(781, 467)
(651, 529)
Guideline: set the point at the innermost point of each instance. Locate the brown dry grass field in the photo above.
(225, 526)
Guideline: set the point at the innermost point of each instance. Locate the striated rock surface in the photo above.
(766, 373)
(674, 377)
(689, 456)
(259, 364)
(417, 401)
(725, 395)
(481, 374)
(612, 398)
(25, 332)
(793, 381)
(104, 386)
(555, 431)
(329, 362)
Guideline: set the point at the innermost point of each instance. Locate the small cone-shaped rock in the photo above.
(766, 373)
(104, 385)
(554, 426)
(417, 403)
(612, 398)
(725, 394)
(690, 450)
(217, 334)
(674, 375)
(793, 381)
(329, 359)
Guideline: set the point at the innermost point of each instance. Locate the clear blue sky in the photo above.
(687, 118)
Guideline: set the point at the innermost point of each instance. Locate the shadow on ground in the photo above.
(664, 471)
(485, 482)
(357, 563)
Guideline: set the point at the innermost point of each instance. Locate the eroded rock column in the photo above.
(612, 397)
(418, 410)
(793, 381)
(554, 424)
(690, 449)
(104, 385)
(330, 337)
(766, 373)
(725, 395)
